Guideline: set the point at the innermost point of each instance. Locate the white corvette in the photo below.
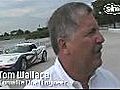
(21, 56)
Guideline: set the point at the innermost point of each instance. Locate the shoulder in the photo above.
(50, 69)
(105, 74)
(107, 78)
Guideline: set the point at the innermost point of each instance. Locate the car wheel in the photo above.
(23, 64)
(44, 56)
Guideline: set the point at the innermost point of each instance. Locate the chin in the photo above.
(98, 63)
(96, 66)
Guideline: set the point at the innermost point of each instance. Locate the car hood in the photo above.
(5, 58)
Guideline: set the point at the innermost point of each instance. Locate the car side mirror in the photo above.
(34, 50)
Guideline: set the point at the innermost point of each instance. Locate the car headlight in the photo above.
(12, 59)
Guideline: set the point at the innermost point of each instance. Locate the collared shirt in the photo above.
(60, 79)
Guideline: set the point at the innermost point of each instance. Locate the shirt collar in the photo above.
(64, 76)
(61, 71)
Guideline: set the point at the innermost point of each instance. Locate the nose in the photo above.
(99, 38)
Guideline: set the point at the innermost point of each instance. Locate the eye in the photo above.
(92, 32)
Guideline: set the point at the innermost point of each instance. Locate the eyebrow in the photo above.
(93, 29)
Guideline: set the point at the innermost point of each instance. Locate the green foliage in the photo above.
(27, 32)
(38, 34)
(12, 33)
(20, 32)
(6, 34)
(17, 34)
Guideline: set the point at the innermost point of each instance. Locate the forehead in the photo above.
(86, 25)
(89, 21)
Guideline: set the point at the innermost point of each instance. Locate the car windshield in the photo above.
(18, 49)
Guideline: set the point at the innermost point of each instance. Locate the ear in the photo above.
(62, 43)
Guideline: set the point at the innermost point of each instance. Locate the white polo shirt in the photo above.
(102, 79)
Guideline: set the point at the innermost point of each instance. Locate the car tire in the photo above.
(44, 56)
(23, 64)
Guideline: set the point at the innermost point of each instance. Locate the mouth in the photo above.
(98, 49)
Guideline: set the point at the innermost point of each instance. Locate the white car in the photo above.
(21, 56)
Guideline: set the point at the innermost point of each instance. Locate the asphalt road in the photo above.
(111, 52)
(111, 56)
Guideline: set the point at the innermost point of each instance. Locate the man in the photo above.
(77, 43)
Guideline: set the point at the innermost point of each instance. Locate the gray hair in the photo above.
(65, 21)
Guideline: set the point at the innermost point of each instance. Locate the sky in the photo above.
(28, 14)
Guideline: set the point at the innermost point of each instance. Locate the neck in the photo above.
(74, 72)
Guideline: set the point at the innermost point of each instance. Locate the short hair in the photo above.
(65, 21)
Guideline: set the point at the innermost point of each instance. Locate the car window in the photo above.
(19, 49)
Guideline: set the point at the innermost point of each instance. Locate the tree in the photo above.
(102, 16)
(20, 32)
(43, 28)
(6, 34)
(27, 32)
(38, 34)
(39, 29)
(1, 35)
(14, 32)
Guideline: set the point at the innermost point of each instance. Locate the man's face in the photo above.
(86, 44)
